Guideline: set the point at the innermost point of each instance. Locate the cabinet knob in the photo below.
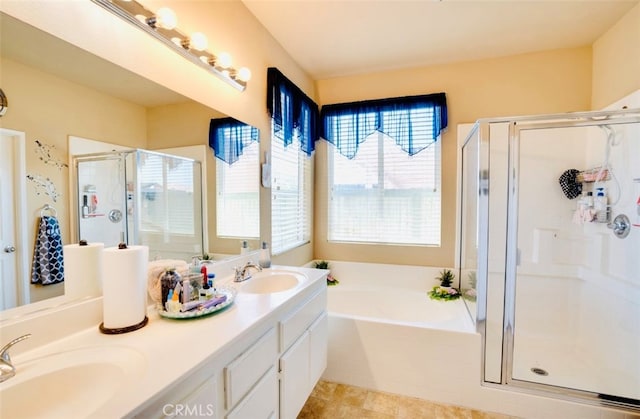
(9, 249)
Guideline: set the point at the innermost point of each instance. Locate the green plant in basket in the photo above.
(323, 264)
(445, 291)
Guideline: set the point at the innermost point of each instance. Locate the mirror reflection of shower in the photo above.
(141, 197)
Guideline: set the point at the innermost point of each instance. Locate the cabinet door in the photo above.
(294, 378)
(244, 371)
(318, 338)
(262, 400)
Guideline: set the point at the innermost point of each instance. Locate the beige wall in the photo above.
(552, 81)
(49, 109)
(228, 25)
(616, 61)
(545, 82)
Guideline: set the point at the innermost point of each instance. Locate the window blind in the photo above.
(238, 195)
(384, 195)
(290, 195)
(166, 194)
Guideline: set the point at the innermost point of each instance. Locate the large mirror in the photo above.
(58, 93)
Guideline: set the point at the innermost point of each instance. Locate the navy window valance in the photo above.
(292, 112)
(228, 137)
(413, 122)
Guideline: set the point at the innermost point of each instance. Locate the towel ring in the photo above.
(49, 208)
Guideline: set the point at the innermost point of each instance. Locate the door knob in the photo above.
(9, 249)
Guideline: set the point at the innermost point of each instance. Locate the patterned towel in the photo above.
(48, 263)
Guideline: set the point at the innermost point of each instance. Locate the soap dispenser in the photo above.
(265, 256)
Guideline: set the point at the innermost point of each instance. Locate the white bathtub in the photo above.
(386, 334)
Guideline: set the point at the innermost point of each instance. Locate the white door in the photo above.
(12, 289)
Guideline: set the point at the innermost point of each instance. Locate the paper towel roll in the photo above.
(124, 288)
(83, 270)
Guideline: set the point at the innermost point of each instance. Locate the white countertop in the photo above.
(172, 349)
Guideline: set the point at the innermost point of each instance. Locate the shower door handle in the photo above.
(9, 249)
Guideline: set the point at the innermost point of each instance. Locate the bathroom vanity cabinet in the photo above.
(258, 358)
(304, 358)
(268, 373)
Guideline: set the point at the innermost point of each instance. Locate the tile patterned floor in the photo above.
(338, 401)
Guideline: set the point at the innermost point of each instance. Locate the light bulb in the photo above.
(244, 74)
(224, 60)
(166, 18)
(198, 41)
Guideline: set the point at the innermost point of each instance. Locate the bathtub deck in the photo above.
(333, 401)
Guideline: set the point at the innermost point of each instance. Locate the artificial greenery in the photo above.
(445, 291)
(323, 264)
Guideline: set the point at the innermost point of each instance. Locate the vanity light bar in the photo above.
(136, 14)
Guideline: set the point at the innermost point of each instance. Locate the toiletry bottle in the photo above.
(168, 281)
(167, 303)
(600, 205)
(173, 305)
(195, 265)
(244, 247)
(85, 206)
(265, 256)
(205, 290)
(210, 279)
(186, 291)
(589, 199)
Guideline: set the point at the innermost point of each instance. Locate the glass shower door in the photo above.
(574, 302)
(101, 199)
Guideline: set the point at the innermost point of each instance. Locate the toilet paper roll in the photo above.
(83, 270)
(124, 286)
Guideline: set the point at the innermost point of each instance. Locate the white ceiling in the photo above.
(331, 38)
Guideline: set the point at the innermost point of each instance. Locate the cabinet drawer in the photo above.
(244, 371)
(297, 322)
(261, 402)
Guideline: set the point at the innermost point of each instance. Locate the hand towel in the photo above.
(48, 261)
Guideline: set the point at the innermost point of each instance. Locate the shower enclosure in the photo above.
(549, 253)
(140, 197)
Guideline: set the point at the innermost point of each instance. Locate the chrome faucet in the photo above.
(7, 370)
(242, 272)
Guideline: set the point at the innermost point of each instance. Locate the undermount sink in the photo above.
(270, 281)
(68, 384)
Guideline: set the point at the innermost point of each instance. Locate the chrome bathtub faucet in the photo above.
(7, 370)
(242, 272)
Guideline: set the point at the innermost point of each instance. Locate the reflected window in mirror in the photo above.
(167, 186)
(237, 150)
